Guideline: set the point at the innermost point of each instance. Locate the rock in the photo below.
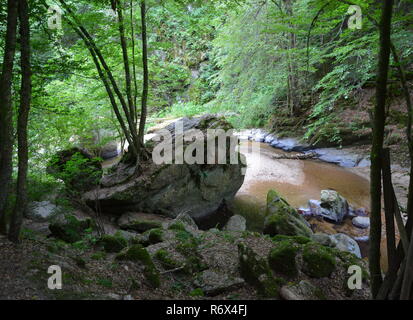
(41, 211)
(361, 222)
(364, 163)
(283, 219)
(259, 135)
(256, 272)
(337, 156)
(172, 188)
(270, 138)
(290, 144)
(362, 238)
(137, 253)
(141, 222)
(319, 261)
(304, 290)
(333, 206)
(243, 134)
(324, 239)
(346, 243)
(361, 212)
(213, 283)
(186, 220)
(315, 207)
(113, 243)
(68, 228)
(282, 258)
(339, 241)
(306, 212)
(236, 223)
(80, 170)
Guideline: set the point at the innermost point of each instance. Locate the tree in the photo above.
(6, 111)
(25, 98)
(377, 146)
(128, 118)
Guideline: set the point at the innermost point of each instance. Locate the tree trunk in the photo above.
(25, 98)
(377, 147)
(145, 74)
(6, 111)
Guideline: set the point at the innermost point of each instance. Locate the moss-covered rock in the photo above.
(284, 219)
(257, 273)
(282, 258)
(155, 236)
(69, 229)
(113, 243)
(141, 222)
(319, 261)
(165, 258)
(137, 253)
(296, 239)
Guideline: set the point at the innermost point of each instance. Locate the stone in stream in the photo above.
(171, 188)
(361, 222)
(333, 206)
(284, 219)
(259, 135)
(290, 144)
(270, 138)
(341, 157)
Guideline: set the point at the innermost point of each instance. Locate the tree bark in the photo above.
(124, 46)
(25, 98)
(377, 147)
(389, 209)
(6, 111)
(145, 74)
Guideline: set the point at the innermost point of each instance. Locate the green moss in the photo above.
(319, 261)
(144, 225)
(348, 259)
(155, 236)
(282, 258)
(296, 239)
(113, 243)
(257, 273)
(164, 257)
(286, 223)
(177, 226)
(107, 283)
(197, 293)
(189, 249)
(70, 229)
(283, 219)
(137, 253)
(99, 255)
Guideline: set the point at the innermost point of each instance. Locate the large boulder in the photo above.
(41, 210)
(170, 188)
(284, 219)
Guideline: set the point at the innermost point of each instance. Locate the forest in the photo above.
(206, 149)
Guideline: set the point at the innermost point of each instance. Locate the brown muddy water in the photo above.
(297, 181)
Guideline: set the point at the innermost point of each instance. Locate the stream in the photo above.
(297, 181)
